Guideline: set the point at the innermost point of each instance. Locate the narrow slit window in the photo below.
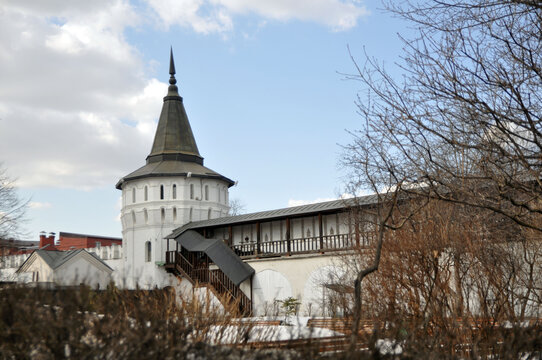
(191, 191)
(163, 214)
(133, 195)
(190, 214)
(209, 214)
(174, 191)
(161, 192)
(206, 192)
(146, 216)
(148, 249)
(174, 214)
(146, 195)
(133, 217)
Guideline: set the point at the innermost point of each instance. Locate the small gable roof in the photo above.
(56, 258)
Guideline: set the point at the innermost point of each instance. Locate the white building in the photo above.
(67, 268)
(175, 227)
(172, 189)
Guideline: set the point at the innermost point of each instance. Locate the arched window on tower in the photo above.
(206, 192)
(191, 191)
(161, 192)
(209, 214)
(163, 215)
(174, 214)
(133, 217)
(146, 216)
(174, 191)
(219, 195)
(190, 215)
(133, 195)
(146, 195)
(148, 249)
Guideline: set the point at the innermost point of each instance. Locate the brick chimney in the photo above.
(47, 240)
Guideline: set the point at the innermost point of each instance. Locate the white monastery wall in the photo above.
(301, 277)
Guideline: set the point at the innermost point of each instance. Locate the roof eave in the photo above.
(203, 176)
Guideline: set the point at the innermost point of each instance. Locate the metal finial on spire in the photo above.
(171, 62)
(172, 90)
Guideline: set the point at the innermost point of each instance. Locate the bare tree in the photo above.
(465, 123)
(237, 207)
(12, 207)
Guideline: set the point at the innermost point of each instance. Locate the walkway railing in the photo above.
(300, 246)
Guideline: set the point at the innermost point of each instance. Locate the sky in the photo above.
(263, 82)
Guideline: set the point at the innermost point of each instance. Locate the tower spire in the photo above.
(173, 90)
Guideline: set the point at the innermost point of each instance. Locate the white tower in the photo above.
(172, 189)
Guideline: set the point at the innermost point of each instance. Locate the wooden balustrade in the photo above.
(298, 246)
(200, 273)
(225, 287)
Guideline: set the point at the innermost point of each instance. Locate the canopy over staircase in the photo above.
(192, 260)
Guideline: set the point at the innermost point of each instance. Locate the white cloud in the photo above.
(190, 13)
(76, 109)
(337, 14)
(74, 104)
(216, 16)
(39, 205)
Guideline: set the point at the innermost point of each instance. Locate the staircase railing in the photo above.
(225, 287)
(216, 279)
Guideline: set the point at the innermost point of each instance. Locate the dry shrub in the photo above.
(456, 282)
(81, 323)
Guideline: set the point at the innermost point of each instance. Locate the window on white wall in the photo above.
(209, 214)
(146, 215)
(174, 191)
(148, 248)
(190, 214)
(218, 195)
(133, 195)
(191, 191)
(163, 214)
(206, 192)
(133, 217)
(174, 214)
(161, 192)
(146, 195)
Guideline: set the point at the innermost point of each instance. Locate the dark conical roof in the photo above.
(174, 134)
(174, 151)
